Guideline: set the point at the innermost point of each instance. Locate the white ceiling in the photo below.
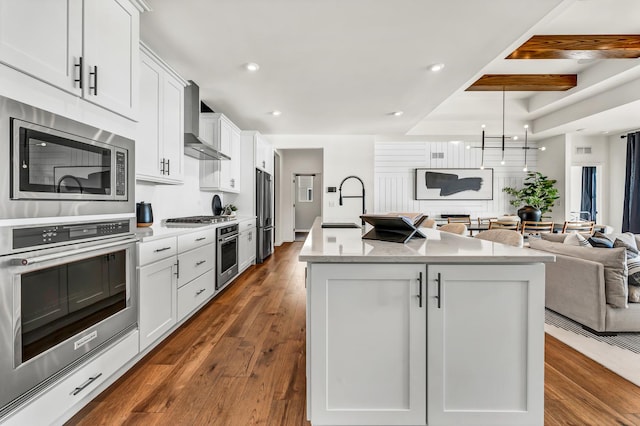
(342, 66)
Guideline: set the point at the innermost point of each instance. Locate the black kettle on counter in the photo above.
(144, 214)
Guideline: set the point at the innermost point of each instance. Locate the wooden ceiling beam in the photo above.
(597, 46)
(524, 82)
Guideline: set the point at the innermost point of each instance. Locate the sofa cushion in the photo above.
(634, 294)
(576, 239)
(556, 238)
(633, 262)
(613, 260)
(600, 242)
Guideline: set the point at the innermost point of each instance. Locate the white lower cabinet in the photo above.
(158, 307)
(368, 344)
(486, 344)
(246, 244)
(194, 294)
(57, 403)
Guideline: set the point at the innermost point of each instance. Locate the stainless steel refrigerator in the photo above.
(264, 212)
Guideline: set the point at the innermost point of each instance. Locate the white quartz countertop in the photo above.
(340, 245)
(159, 230)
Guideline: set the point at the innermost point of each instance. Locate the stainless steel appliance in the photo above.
(53, 166)
(196, 220)
(226, 254)
(264, 213)
(66, 291)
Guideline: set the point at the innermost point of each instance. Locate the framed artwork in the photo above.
(454, 184)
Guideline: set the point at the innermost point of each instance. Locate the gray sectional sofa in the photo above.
(589, 285)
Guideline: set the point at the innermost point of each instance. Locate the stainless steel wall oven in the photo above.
(67, 248)
(227, 253)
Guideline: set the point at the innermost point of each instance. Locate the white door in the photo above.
(43, 39)
(173, 127)
(158, 300)
(485, 344)
(368, 344)
(111, 54)
(148, 142)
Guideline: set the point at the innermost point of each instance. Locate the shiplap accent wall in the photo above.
(395, 163)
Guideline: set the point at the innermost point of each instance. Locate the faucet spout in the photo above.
(340, 200)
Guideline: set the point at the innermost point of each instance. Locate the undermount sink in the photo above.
(340, 225)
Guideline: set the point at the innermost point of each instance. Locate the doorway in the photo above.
(307, 202)
(586, 192)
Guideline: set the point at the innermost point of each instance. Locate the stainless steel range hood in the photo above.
(194, 146)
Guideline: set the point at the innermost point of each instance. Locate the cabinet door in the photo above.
(148, 155)
(173, 128)
(43, 39)
(246, 248)
(111, 39)
(158, 290)
(368, 344)
(486, 344)
(230, 169)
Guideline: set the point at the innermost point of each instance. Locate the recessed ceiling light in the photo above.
(436, 67)
(252, 66)
(276, 113)
(397, 113)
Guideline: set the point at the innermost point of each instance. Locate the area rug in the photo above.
(620, 354)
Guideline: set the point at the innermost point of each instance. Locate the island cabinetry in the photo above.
(485, 340)
(87, 48)
(366, 339)
(157, 283)
(221, 133)
(160, 143)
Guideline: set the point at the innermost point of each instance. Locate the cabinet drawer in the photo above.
(195, 262)
(195, 239)
(59, 399)
(195, 293)
(246, 224)
(153, 251)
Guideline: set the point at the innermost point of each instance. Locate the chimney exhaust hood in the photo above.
(194, 146)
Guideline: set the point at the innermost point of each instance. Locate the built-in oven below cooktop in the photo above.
(196, 220)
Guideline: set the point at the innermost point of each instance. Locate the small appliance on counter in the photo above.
(216, 205)
(144, 214)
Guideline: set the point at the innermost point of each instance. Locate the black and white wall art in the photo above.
(453, 184)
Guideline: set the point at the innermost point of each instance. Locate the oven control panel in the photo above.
(53, 234)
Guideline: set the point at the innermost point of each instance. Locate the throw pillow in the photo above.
(576, 239)
(554, 238)
(600, 242)
(631, 250)
(615, 267)
(633, 262)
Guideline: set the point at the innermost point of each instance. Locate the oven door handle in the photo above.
(39, 259)
(224, 240)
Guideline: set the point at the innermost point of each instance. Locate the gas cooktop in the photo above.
(197, 220)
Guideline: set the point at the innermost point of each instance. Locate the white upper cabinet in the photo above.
(223, 135)
(88, 48)
(43, 39)
(264, 154)
(160, 141)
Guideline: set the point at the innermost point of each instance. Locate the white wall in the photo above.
(394, 173)
(617, 174)
(343, 155)
(294, 161)
(552, 162)
(180, 200)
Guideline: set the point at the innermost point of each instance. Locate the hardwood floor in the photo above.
(241, 361)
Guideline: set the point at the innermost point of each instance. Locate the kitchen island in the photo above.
(443, 330)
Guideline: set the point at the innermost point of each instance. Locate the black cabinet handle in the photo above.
(168, 167)
(162, 167)
(94, 73)
(82, 387)
(439, 296)
(161, 249)
(80, 72)
(420, 290)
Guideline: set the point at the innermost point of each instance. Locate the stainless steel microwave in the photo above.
(54, 166)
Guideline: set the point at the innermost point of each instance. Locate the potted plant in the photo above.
(230, 210)
(537, 196)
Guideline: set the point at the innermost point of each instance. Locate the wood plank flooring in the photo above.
(241, 361)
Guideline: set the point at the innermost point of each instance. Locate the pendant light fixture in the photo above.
(503, 141)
